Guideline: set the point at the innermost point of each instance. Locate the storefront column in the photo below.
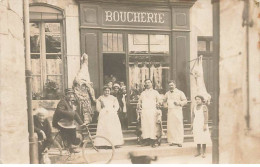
(181, 51)
(90, 43)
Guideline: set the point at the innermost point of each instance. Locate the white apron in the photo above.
(148, 123)
(175, 131)
(108, 122)
(148, 116)
(200, 136)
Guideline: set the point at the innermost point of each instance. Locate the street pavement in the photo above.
(165, 153)
(174, 160)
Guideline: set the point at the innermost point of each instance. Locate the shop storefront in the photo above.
(132, 41)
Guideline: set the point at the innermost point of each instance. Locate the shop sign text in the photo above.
(134, 17)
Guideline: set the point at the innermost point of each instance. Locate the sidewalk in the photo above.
(174, 160)
(166, 154)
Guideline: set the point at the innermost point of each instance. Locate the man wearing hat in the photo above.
(63, 119)
(43, 129)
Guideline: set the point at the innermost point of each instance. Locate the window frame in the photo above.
(208, 40)
(43, 53)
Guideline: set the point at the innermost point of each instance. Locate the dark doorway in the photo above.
(114, 65)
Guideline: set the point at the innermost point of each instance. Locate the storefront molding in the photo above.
(181, 30)
(125, 16)
(127, 2)
(184, 3)
(120, 28)
(180, 18)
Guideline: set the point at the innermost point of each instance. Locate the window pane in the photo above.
(36, 64)
(120, 43)
(53, 43)
(58, 80)
(155, 68)
(159, 43)
(52, 28)
(201, 45)
(160, 72)
(115, 49)
(104, 42)
(110, 40)
(51, 16)
(36, 87)
(211, 46)
(138, 43)
(53, 64)
(53, 38)
(34, 38)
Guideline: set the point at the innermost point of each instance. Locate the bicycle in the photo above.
(91, 151)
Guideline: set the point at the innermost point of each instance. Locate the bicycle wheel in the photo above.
(101, 154)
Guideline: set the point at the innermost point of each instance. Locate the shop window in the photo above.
(202, 46)
(46, 53)
(205, 45)
(148, 59)
(112, 42)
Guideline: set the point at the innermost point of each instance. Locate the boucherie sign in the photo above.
(134, 17)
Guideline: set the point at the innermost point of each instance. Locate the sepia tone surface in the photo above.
(82, 28)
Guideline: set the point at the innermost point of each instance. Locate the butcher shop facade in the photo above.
(131, 42)
(126, 43)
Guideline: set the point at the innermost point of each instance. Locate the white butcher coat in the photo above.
(175, 130)
(147, 101)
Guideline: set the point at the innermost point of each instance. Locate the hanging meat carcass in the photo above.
(197, 72)
(84, 91)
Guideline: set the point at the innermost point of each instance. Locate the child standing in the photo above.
(200, 125)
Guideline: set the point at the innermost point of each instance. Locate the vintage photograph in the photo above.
(129, 81)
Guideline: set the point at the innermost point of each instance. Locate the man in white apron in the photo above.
(148, 102)
(175, 100)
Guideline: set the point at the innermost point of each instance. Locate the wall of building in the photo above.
(72, 40)
(14, 142)
(236, 145)
(254, 51)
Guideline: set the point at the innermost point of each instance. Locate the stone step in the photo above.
(134, 141)
(130, 137)
(188, 149)
(133, 125)
(131, 133)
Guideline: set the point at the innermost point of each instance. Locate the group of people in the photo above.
(175, 99)
(112, 118)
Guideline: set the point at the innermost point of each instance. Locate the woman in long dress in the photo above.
(108, 122)
(200, 125)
